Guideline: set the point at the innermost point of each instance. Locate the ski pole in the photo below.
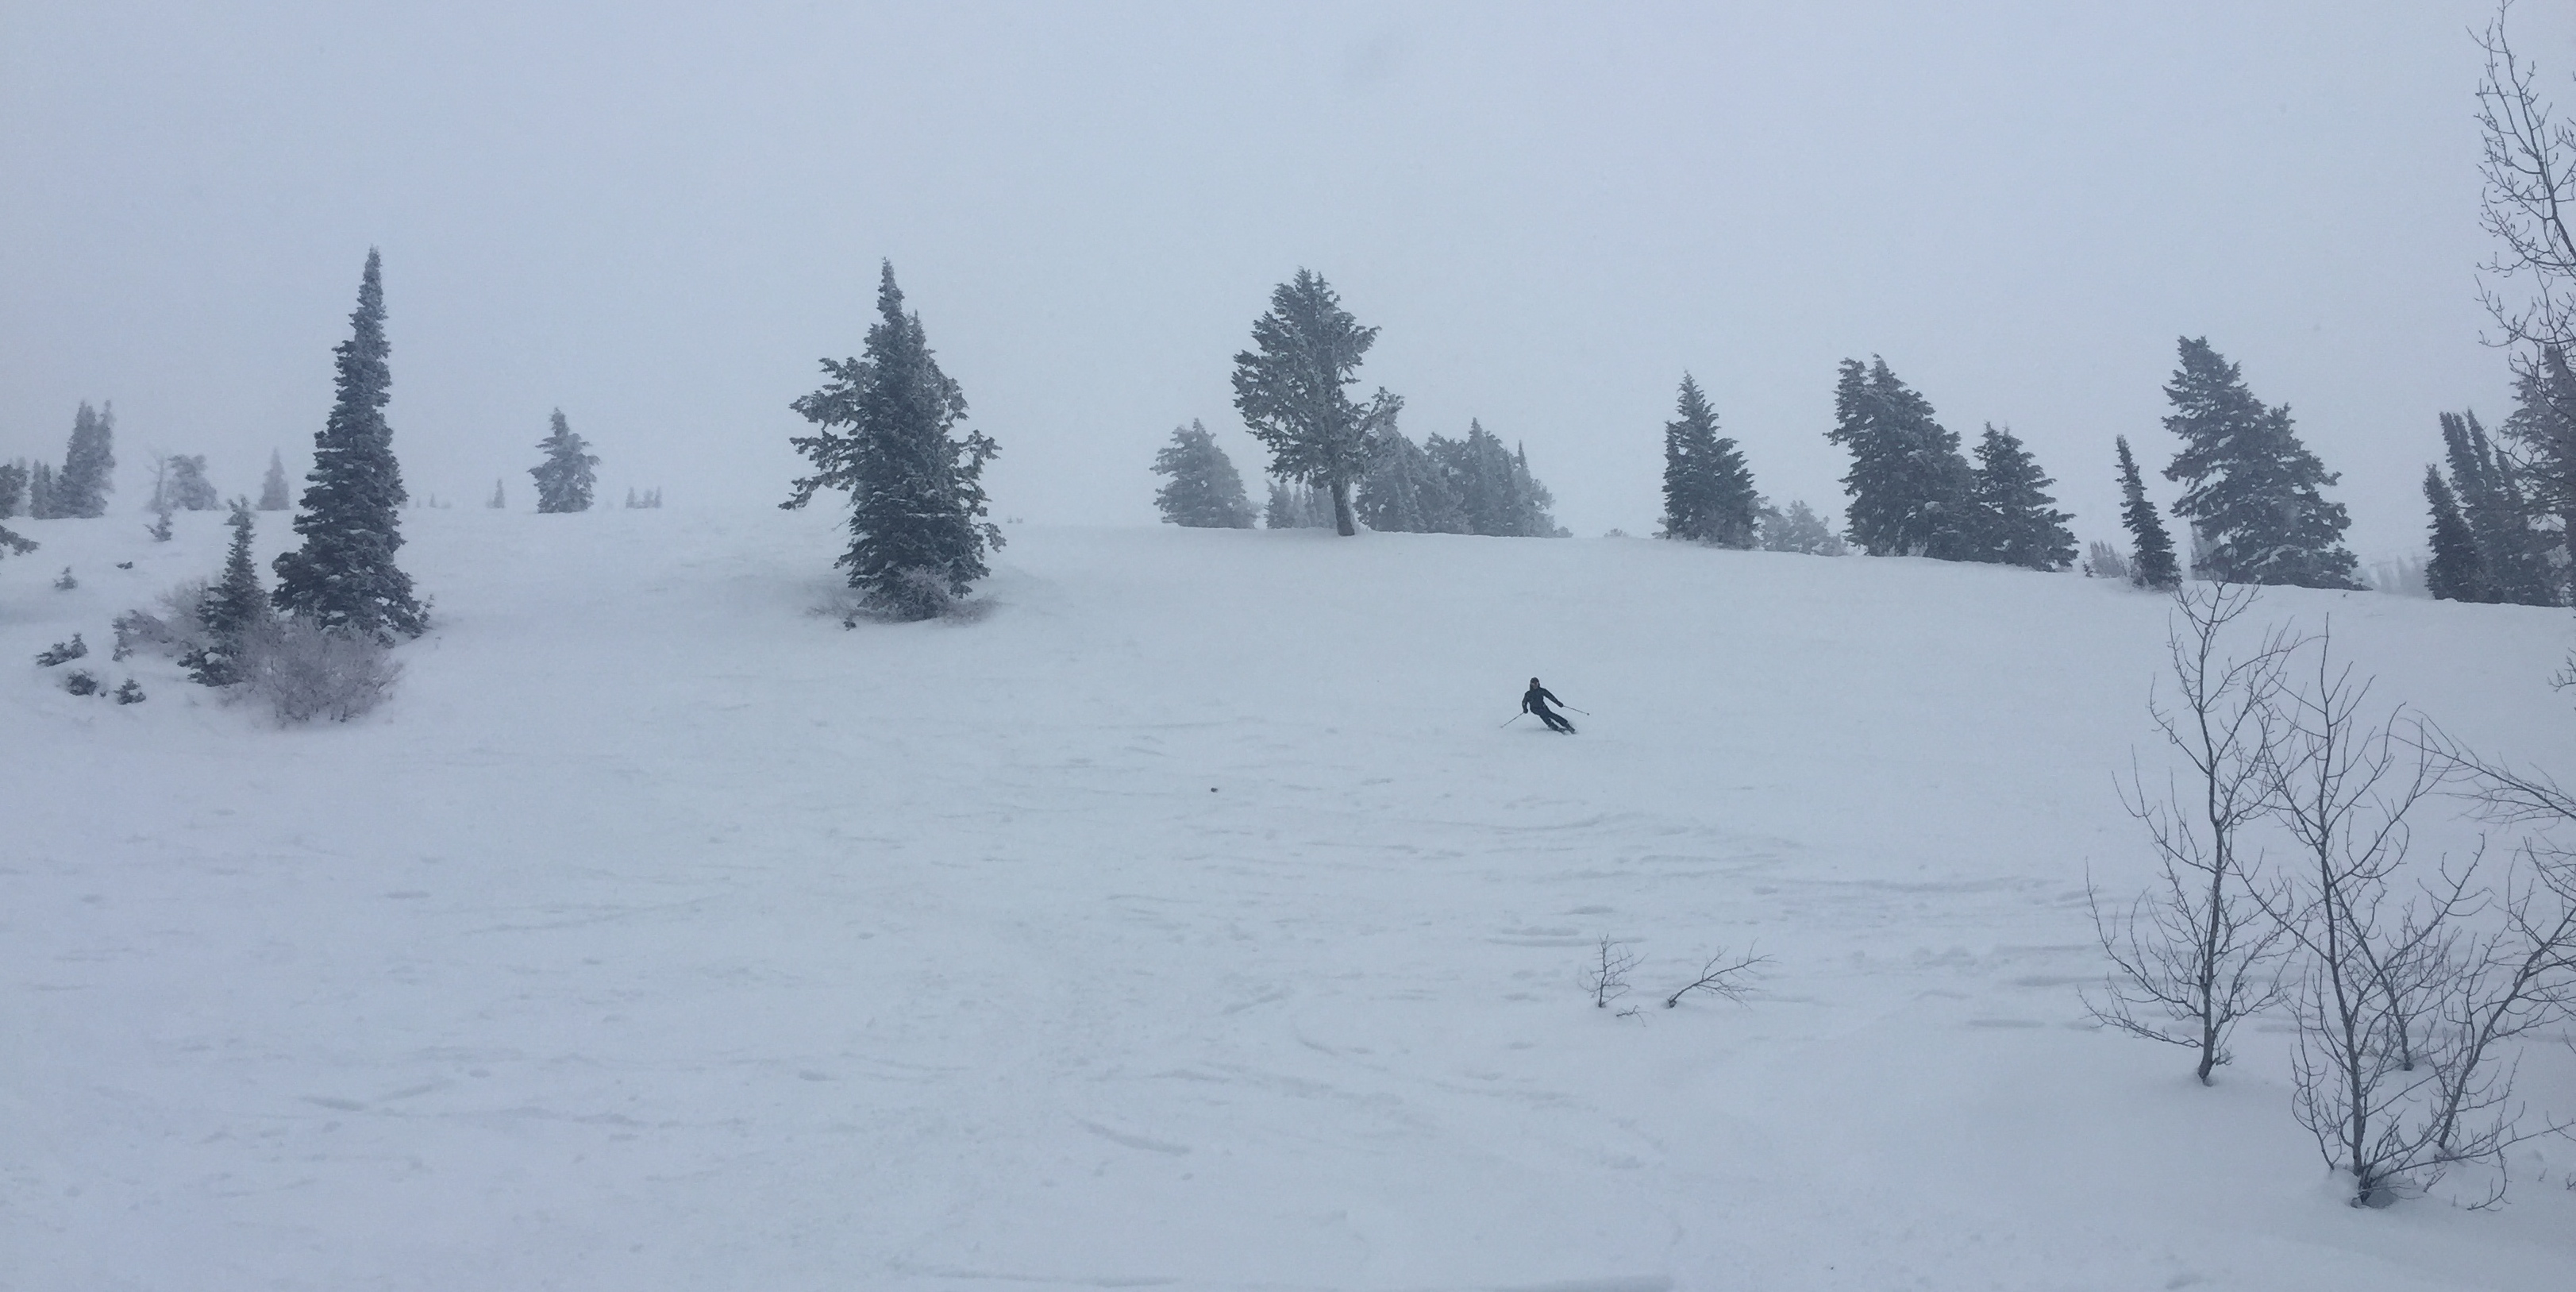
(1585, 712)
(1514, 718)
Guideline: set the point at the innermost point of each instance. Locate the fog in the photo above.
(659, 221)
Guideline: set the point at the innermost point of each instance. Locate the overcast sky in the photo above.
(659, 217)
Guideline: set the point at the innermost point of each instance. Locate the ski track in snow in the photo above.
(1189, 921)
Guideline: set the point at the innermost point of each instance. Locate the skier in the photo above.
(1536, 699)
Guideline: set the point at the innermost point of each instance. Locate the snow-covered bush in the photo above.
(2103, 561)
(130, 693)
(81, 682)
(304, 672)
(63, 652)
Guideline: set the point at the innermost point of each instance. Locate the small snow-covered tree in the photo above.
(498, 500)
(13, 487)
(343, 578)
(1708, 490)
(273, 494)
(1204, 490)
(883, 432)
(1290, 390)
(565, 479)
(186, 487)
(1297, 506)
(1799, 529)
(233, 611)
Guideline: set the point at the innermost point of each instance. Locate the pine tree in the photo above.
(187, 488)
(232, 611)
(1405, 492)
(1533, 499)
(2151, 552)
(13, 487)
(565, 479)
(917, 533)
(2542, 431)
(2018, 522)
(1799, 529)
(2490, 499)
(2252, 491)
(2455, 573)
(272, 487)
(1205, 491)
(1910, 488)
(1708, 491)
(1289, 389)
(42, 503)
(498, 500)
(343, 578)
(89, 461)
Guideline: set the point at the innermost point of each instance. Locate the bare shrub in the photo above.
(1607, 977)
(1726, 974)
(2195, 953)
(304, 672)
(2404, 1007)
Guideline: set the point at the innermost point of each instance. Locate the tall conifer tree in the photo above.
(2018, 521)
(565, 479)
(1909, 486)
(2253, 492)
(1406, 492)
(233, 609)
(2151, 551)
(2455, 573)
(1290, 390)
(41, 502)
(2489, 494)
(1708, 490)
(344, 578)
(917, 530)
(13, 487)
(273, 494)
(89, 464)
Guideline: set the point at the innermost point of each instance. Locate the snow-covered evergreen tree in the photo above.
(917, 505)
(1497, 496)
(2252, 492)
(1290, 390)
(89, 464)
(1799, 529)
(565, 479)
(42, 504)
(1708, 490)
(13, 487)
(1910, 489)
(1406, 492)
(2512, 556)
(1204, 491)
(343, 579)
(272, 487)
(2542, 433)
(186, 488)
(498, 500)
(232, 610)
(1297, 505)
(2151, 553)
(2017, 521)
(2456, 572)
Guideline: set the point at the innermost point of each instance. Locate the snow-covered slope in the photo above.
(1192, 919)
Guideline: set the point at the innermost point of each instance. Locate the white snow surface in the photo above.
(1192, 919)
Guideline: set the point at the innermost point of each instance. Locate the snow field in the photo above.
(1190, 920)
